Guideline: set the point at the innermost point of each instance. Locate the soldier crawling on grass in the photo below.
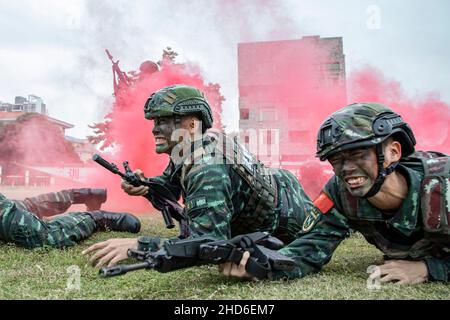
(225, 190)
(397, 198)
(30, 223)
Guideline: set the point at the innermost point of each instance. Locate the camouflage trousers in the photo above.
(21, 221)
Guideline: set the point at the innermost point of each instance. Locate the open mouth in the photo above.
(355, 182)
(160, 140)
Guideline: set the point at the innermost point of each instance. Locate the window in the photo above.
(244, 114)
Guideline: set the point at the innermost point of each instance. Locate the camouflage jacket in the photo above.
(215, 197)
(399, 236)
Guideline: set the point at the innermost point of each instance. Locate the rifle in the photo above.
(184, 253)
(161, 197)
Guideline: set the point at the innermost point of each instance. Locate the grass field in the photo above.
(53, 274)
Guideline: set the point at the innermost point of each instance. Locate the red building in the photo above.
(285, 87)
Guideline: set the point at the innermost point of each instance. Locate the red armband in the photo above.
(323, 203)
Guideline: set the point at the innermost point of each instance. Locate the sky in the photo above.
(55, 49)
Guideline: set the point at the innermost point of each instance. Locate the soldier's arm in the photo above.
(208, 201)
(313, 249)
(438, 269)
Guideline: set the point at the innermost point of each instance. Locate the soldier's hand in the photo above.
(109, 252)
(230, 269)
(135, 191)
(402, 271)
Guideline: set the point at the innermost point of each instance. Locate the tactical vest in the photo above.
(223, 149)
(435, 190)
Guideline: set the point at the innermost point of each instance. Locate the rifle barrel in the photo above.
(122, 269)
(107, 165)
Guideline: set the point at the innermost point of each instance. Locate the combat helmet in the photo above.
(361, 125)
(179, 100)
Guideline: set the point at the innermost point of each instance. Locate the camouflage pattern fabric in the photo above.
(215, 196)
(178, 100)
(20, 222)
(48, 204)
(398, 236)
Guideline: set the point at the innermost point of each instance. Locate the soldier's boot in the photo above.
(92, 198)
(115, 221)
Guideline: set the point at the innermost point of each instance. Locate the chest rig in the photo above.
(218, 148)
(263, 199)
(435, 191)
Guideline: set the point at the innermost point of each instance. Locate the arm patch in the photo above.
(196, 203)
(323, 203)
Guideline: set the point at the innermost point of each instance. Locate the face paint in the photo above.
(357, 168)
(163, 127)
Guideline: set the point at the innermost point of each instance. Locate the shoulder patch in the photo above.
(310, 221)
(196, 203)
(323, 203)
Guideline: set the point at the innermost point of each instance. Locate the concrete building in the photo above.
(7, 117)
(14, 173)
(22, 104)
(276, 80)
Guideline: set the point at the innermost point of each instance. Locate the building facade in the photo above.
(284, 89)
(67, 156)
(22, 104)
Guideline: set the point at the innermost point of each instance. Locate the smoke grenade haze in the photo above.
(207, 43)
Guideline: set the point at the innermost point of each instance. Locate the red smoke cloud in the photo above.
(304, 98)
(288, 79)
(428, 116)
(294, 77)
(133, 136)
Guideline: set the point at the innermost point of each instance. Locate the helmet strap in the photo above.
(382, 172)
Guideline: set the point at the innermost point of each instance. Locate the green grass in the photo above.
(43, 274)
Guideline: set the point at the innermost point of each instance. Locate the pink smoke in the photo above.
(132, 132)
(428, 116)
(294, 77)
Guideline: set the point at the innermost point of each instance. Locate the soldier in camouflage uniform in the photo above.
(399, 200)
(22, 222)
(226, 191)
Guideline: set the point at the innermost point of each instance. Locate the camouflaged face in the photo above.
(356, 126)
(424, 210)
(178, 100)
